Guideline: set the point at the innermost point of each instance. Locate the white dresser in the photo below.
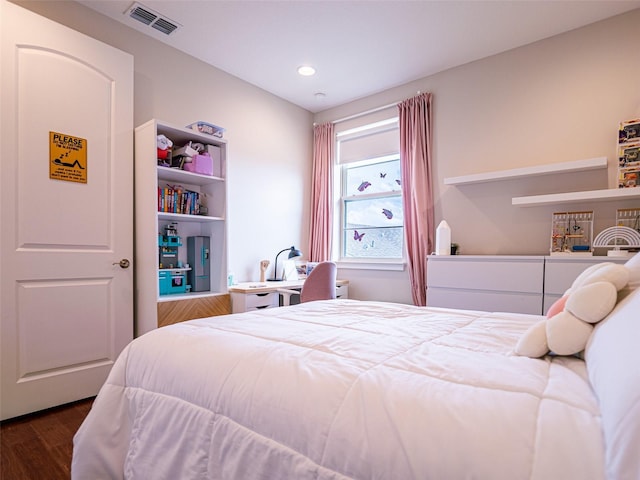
(560, 272)
(507, 283)
(483, 282)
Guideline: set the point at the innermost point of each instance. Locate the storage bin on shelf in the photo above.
(202, 164)
(208, 128)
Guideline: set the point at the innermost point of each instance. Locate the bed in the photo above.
(347, 389)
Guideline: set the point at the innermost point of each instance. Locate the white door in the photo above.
(66, 211)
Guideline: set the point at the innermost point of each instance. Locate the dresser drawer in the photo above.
(243, 302)
(261, 300)
(342, 291)
(484, 300)
(494, 283)
(560, 272)
(490, 273)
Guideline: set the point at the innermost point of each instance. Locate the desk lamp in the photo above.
(293, 253)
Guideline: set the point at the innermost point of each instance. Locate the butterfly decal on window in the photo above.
(398, 181)
(363, 186)
(382, 175)
(387, 213)
(357, 236)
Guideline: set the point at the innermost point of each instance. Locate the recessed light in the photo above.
(320, 95)
(306, 70)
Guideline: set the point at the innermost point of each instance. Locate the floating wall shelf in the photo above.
(606, 195)
(613, 194)
(553, 168)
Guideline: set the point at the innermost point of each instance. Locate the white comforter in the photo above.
(342, 389)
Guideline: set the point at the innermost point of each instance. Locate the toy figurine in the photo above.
(264, 264)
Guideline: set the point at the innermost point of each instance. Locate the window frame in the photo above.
(341, 198)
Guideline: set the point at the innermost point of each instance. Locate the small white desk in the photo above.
(248, 296)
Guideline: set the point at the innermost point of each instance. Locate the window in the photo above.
(371, 215)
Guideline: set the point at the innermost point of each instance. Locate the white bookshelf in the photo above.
(153, 309)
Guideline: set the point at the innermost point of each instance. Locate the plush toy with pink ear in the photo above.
(570, 320)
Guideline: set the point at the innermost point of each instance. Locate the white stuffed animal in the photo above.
(570, 320)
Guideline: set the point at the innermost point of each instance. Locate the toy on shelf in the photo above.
(172, 274)
(622, 238)
(629, 131)
(264, 264)
(571, 233)
(164, 146)
(617, 238)
(195, 157)
(629, 154)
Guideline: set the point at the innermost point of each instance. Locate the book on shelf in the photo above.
(178, 200)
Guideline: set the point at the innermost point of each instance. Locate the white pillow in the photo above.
(613, 363)
(633, 264)
(633, 267)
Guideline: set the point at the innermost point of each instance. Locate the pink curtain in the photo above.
(321, 193)
(415, 161)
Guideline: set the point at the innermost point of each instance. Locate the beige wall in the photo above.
(269, 138)
(551, 101)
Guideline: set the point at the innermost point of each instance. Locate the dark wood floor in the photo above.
(39, 446)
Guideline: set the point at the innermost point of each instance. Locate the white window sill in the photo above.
(373, 264)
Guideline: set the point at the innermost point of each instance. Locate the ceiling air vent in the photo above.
(165, 26)
(151, 18)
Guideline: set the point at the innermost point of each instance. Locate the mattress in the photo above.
(342, 389)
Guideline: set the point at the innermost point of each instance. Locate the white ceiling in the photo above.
(358, 47)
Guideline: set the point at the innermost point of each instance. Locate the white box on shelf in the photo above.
(185, 151)
(214, 153)
(207, 128)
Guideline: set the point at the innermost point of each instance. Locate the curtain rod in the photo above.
(368, 112)
(362, 114)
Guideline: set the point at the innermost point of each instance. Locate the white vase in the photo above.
(443, 239)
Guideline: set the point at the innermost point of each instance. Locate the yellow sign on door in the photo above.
(67, 158)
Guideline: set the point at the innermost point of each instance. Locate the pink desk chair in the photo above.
(319, 285)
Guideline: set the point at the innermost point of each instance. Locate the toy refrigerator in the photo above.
(199, 261)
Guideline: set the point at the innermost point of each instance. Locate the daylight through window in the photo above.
(371, 219)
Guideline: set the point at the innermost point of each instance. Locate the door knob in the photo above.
(124, 263)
